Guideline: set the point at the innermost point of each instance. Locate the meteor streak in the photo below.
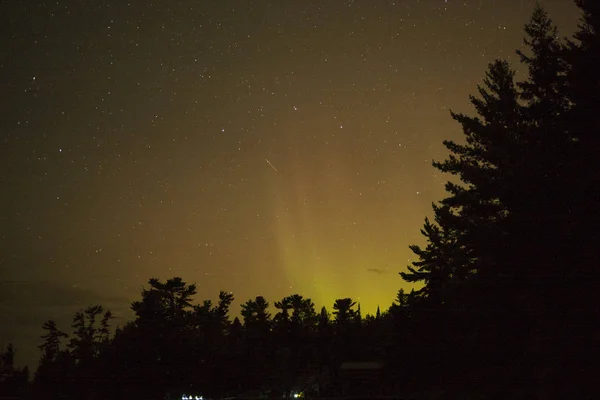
(272, 166)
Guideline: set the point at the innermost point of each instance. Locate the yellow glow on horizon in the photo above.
(325, 236)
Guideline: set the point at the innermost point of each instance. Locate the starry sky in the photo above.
(263, 147)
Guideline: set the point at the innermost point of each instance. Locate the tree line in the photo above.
(510, 273)
(175, 347)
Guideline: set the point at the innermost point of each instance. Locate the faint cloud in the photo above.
(51, 294)
(377, 271)
(26, 305)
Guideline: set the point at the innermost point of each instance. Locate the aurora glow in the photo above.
(135, 135)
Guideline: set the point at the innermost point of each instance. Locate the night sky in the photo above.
(259, 147)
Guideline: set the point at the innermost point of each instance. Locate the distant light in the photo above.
(186, 397)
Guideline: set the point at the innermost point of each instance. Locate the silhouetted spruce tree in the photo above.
(52, 341)
(575, 294)
(554, 214)
(583, 84)
(325, 333)
(169, 301)
(466, 237)
(258, 346)
(583, 168)
(324, 319)
(13, 380)
(202, 345)
(540, 221)
(165, 342)
(222, 310)
(345, 329)
(222, 346)
(50, 376)
(207, 340)
(234, 363)
(294, 334)
(88, 342)
(343, 311)
(496, 267)
(539, 208)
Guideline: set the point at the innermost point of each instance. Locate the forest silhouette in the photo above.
(510, 277)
